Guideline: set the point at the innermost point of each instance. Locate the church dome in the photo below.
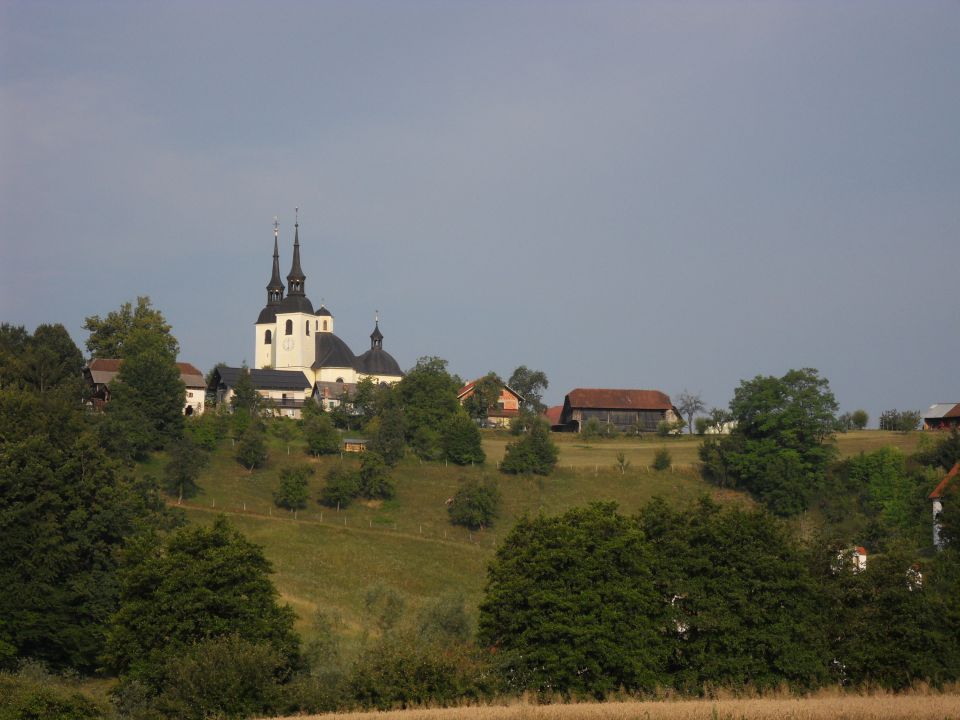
(377, 361)
(332, 352)
(295, 303)
(323, 312)
(267, 315)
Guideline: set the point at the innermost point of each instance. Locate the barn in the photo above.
(627, 410)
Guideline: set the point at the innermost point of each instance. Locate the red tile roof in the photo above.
(465, 390)
(946, 485)
(552, 414)
(619, 399)
(106, 368)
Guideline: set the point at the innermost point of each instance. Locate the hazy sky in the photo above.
(657, 195)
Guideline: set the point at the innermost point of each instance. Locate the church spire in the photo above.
(275, 288)
(296, 278)
(376, 337)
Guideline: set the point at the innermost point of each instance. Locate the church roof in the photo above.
(267, 315)
(378, 361)
(295, 303)
(332, 352)
(323, 311)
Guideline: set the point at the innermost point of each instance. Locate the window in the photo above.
(267, 337)
(324, 325)
(308, 327)
(289, 327)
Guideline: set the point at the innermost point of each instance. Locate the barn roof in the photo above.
(103, 370)
(552, 414)
(465, 390)
(601, 398)
(942, 410)
(946, 485)
(266, 379)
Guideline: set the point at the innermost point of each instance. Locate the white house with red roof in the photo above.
(99, 372)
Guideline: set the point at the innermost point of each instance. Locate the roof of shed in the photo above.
(601, 398)
(103, 370)
(266, 379)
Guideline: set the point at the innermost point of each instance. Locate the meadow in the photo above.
(829, 705)
(328, 559)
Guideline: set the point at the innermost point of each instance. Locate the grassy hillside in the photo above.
(325, 559)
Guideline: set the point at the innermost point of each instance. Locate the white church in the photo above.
(296, 353)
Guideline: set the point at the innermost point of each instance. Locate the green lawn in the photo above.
(328, 559)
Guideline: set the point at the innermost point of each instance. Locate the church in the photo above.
(290, 335)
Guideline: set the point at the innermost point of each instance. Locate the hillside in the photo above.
(328, 560)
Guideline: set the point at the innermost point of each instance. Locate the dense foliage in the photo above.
(533, 453)
(461, 441)
(781, 445)
(475, 505)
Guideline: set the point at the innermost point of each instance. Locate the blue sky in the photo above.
(622, 194)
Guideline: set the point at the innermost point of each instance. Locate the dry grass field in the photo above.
(822, 707)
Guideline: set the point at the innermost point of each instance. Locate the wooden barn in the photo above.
(627, 410)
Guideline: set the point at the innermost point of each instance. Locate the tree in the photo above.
(944, 453)
(183, 468)
(148, 385)
(475, 505)
(461, 441)
(427, 395)
(533, 453)
(900, 420)
(388, 439)
(322, 438)
(662, 459)
(245, 396)
(252, 448)
(781, 446)
(66, 510)
(530, 384)
(860, 419)
(109, 336)
(294, 488)
(200, 583)
(571, 604)
(13, 348)
(486, 392)
(742, 608)
(375, 482)
(689, 404)
(52, 358)
(342, 486)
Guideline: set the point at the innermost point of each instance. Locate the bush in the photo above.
(34, 693)
(321, 436)
(701, 425)
(252, 449)
(591, 429)
(662, 459)
(343, 485)
(534, 453)
(461, 441)
(475, 505)
(293, 491)
(375, 482)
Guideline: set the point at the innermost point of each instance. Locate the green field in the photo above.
(325, 559)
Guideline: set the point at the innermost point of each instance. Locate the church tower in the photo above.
(296, 323)
(266, 340)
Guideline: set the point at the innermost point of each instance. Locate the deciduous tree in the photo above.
(109, 336)
(461, 441)
(689, 404)
(530, 384)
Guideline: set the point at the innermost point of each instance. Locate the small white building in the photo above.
(99, 372)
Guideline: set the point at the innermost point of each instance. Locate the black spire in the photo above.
(296, 278)
(376, 337)
(275, 288)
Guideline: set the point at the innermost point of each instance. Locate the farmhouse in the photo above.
(948, 487)
(626, 410)
(286, 390)
(100, 371)
(503, 410)
(942, 416)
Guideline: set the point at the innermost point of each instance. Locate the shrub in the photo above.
(343, 485)
(533, 453)
(34, 693)
(591, 429)
(375, 482)
(293, 491)
(701, 425)
(662, 459)
(475, 505)
(461, 441)
(321, 436)
(252, 449)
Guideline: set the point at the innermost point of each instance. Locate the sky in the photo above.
(660, 195)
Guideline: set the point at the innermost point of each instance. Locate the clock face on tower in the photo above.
(288, 344)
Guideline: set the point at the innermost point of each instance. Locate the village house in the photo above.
(99, 372)
(627, 410)
(502, 411)
(285, 391)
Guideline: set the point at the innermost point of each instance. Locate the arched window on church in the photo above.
(267, 338)
(289, 327)
(308, 327)
(324, 325)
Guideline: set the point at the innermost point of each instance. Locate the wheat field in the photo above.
(830, 707)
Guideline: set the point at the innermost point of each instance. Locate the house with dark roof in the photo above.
(503, 410)
(942, 416)
(947, 488)
(286, 390)
(99, 372)
(290, 335)
(627, 410)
